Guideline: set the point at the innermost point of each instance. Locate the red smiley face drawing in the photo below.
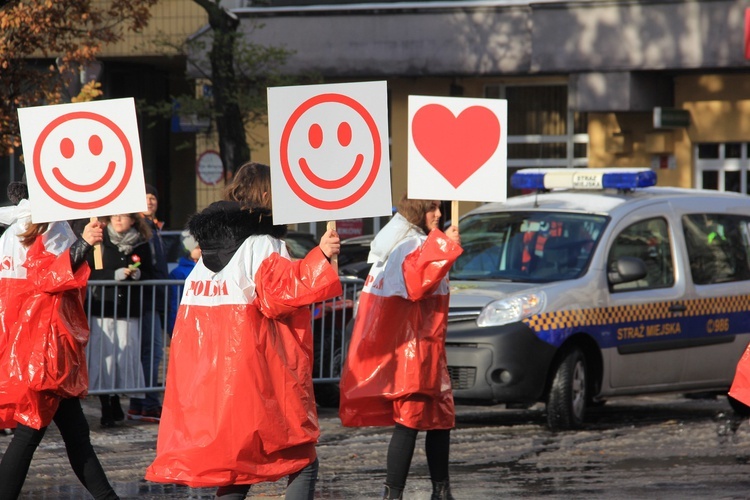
(330, 126)
(82, 171)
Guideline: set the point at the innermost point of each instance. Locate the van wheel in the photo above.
(566, 403)
(740, 408)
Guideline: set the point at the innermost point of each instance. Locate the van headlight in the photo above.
(511, 309)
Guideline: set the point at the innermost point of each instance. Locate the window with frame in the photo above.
(542, 130)
(722, 166)
(649, 241)
(717, 246)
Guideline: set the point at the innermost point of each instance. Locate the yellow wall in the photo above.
(620, 140)
(177, 19)
(719, 106)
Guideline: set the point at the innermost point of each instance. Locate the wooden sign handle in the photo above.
(335, 259)
(454, 213)
(97, 251)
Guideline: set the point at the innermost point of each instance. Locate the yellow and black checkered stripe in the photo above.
(640, 312)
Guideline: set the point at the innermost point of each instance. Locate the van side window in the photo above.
(649, 241)
(717, 246)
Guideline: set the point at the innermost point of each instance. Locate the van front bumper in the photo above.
(502, 364)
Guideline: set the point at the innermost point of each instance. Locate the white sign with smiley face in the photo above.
(82, 160)
(329, 152)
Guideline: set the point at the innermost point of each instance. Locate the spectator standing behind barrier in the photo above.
(396, 369)
(239, 406)
(184, 266)
(114, 353)
(42, 283)
(148, 409)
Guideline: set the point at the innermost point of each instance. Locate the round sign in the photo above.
(59, 152)
(303, 126)
(209, 168)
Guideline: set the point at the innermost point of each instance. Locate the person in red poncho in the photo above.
(239, 406)
(396, 370)
(43, 276)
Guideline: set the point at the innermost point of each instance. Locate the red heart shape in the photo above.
(456, 146)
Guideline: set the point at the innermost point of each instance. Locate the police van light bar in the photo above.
(583, 178)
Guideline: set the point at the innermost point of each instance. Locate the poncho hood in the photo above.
(223, 226)
(11, 214)
(397, 229)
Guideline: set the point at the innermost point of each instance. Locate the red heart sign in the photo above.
(456, 146)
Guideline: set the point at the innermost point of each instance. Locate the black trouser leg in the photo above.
(232, 492)
(81, 455)
(400, 452)
(437, 447)
(17, 459)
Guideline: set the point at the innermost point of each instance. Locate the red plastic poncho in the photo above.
(740, 389)
(396, 369)
(239, 406)
(45, 329)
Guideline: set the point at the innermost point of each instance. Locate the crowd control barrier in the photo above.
(138, 298)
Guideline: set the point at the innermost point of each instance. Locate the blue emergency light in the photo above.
(583, 178)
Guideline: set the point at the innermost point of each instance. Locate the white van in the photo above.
(598, 285)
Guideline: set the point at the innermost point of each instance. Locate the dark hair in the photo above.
(251, 186)
(415, 211)
(17, 191)
(139, 224)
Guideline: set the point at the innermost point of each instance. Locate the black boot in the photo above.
(107, 419)
(392, 493)
(117, 414)
(441, 490)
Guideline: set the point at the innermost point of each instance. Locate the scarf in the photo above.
(124, 241)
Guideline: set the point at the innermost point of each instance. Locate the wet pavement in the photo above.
(665, 447)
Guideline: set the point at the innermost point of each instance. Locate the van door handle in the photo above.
(677, 308)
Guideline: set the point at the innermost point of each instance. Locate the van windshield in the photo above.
(527, 246)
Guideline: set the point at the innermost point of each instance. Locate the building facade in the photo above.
(583, 79)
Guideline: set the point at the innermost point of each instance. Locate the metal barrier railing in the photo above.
(121, 330)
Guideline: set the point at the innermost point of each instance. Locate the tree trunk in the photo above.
(233, 146)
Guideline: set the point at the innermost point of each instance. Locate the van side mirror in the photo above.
(626, 269)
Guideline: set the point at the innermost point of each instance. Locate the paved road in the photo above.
(664, 447)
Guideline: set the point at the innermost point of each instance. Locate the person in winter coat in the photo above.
(184, 266)
(44, 333)
(239, 406)
(396, 369)
(148, 409)
(115, 356)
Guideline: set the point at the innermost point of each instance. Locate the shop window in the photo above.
(708, 151)
(542, 131)
(733, 150)
(723, 166)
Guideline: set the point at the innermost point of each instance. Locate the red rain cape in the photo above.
(239, 406)
(396, 370)
(740, 389)
(44, 356)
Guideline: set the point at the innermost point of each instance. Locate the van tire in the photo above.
(566, 402)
